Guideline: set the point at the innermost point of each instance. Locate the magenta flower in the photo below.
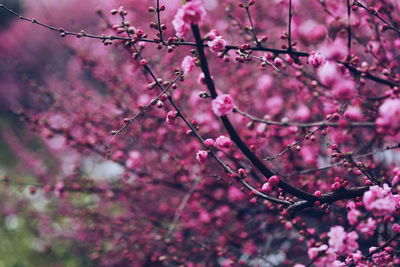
(223, 142)
(389, 117)
(192, 12)
(217, 44)
(188, 64)
(201, 156)
(380, 201)
(223, 105)
(316, 59)
(342, 242)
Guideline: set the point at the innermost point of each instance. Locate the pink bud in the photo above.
(201, 156)
(208, 142)
(274, 180)
(267, 188)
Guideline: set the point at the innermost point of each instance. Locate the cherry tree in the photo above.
(209, 133)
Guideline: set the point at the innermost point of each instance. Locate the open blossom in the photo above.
(311, 32)
(223, 142)
(344, 89)
(192, 12)
(322, 256)
(316, 59)
(329, 73)
(367, 227)
(223, 105)
(381, 258)
(201, 156)
(188, 64)
(380, 201)
(217, 44)
(389, 117)
(212, 34)
(342, 242)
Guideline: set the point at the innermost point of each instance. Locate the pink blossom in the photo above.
(302, 113)
(188, 64)
(201, 156)
(396, 227)
(192, 12)
(316, 59)
(273, 180)
(171, 116)
(223, 105)
(274, 105)
(311, 32)
(342, 242)
(209, 142)
(328, 257)
(353, 113)
(335, 51)
(344, 89)
(329, 73)
(134, 159)
(380, 201)
(217, 44)
(264, 83)
(212, 34)
(235, 194)
(352, 215)
(381, 258)
(389, 116)
(223, 142)
(266, 187)
(367, 227)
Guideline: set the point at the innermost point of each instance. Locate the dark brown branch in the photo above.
(290, 26)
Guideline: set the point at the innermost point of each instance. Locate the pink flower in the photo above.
(389, 117)
(223, 142)
(335, 51)
(329, 73)
(381, 258)
(201, 156)
(396, 227)
(188, 64)
(209, 142)
(192, 12)
(311, 32)
(273, 180)
(222, 105)
(212, 34)
(380, 201)
(316, 59)
(328, 257)
(353, 213)
(368, 227)
(134, 159)
(217, 44)
(344, 89)
(171, 116)
(353, 113)
(264, 83)
(342, 242)
(266, 187)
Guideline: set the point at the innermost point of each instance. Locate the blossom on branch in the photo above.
(192, 12)
(223, 105)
